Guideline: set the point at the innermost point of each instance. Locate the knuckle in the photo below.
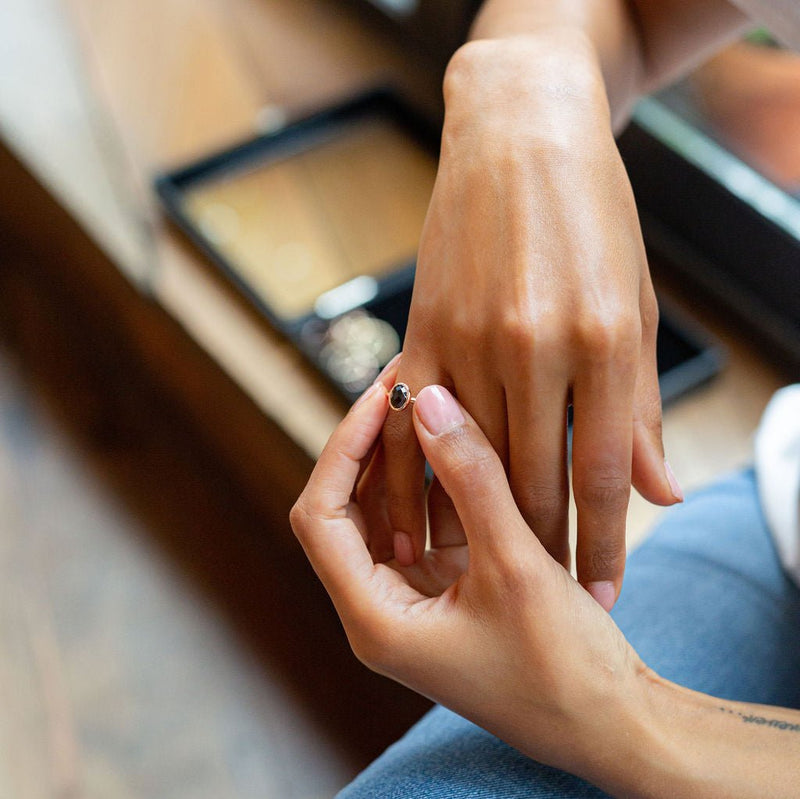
(468, 465)
(512, 578)
(543, 506)
(518, 332)
(528, 333)
(461, 323)
(607, 493)
(464, 326)
(420, 351)
(613, 337)
(299, 517)
(650, 315)
(606, 559)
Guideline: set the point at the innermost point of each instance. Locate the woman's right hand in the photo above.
(496, 630)
(493, 628)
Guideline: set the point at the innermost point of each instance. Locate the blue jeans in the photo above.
(705, 604)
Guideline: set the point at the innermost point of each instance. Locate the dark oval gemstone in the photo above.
(399, 396)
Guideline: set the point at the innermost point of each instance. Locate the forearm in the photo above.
(638, 44)
(684, 744)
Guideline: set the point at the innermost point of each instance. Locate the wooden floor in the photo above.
(154, 642)
(120, 675)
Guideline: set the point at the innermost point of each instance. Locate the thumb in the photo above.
(467, 467)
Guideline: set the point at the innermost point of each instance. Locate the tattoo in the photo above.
(776, 724)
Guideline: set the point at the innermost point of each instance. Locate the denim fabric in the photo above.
(705, 603)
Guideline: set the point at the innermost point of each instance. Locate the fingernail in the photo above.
(673, 482)
(437, 410)
(604, 593)
(403, 549)
(386, 369)
(370, 392)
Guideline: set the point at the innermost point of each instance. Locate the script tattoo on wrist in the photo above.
(750, 718)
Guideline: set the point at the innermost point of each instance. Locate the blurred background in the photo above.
(171, 364)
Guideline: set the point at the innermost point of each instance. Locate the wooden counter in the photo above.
(95, 103)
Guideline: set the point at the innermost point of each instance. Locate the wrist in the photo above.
(641, 757)
(610, 732)
(664, 748)
(541, 86)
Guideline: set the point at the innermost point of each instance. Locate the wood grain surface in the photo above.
(162, 633)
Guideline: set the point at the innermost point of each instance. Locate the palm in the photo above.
(436, 571)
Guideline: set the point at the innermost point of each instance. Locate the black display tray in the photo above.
(686, 357)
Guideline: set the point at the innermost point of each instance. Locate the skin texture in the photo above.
(495, 629)
(535, 294)
(532, 288)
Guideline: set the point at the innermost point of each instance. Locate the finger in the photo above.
(371, 498)
(469, 470)
(346, 447)
(371, 484)
(388, 374)
(385, 379)
(332, 481)
(320, 517)
(405, 483)
(485, 401)
(651, 474)
(488, 410)
(487, 407)
(445, 527)
(601, 470)
(538, 469)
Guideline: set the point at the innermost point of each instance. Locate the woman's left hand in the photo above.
(494, 629)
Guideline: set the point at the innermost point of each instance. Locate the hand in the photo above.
(532, 292)
(493, 627)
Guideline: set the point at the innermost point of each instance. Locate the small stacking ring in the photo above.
(400, 397)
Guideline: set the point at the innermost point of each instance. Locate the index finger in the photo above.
(321, 516)
(333, 480)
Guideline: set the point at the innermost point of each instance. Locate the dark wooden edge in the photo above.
(71, 264)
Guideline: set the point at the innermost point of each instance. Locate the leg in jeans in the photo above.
(705, 604)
